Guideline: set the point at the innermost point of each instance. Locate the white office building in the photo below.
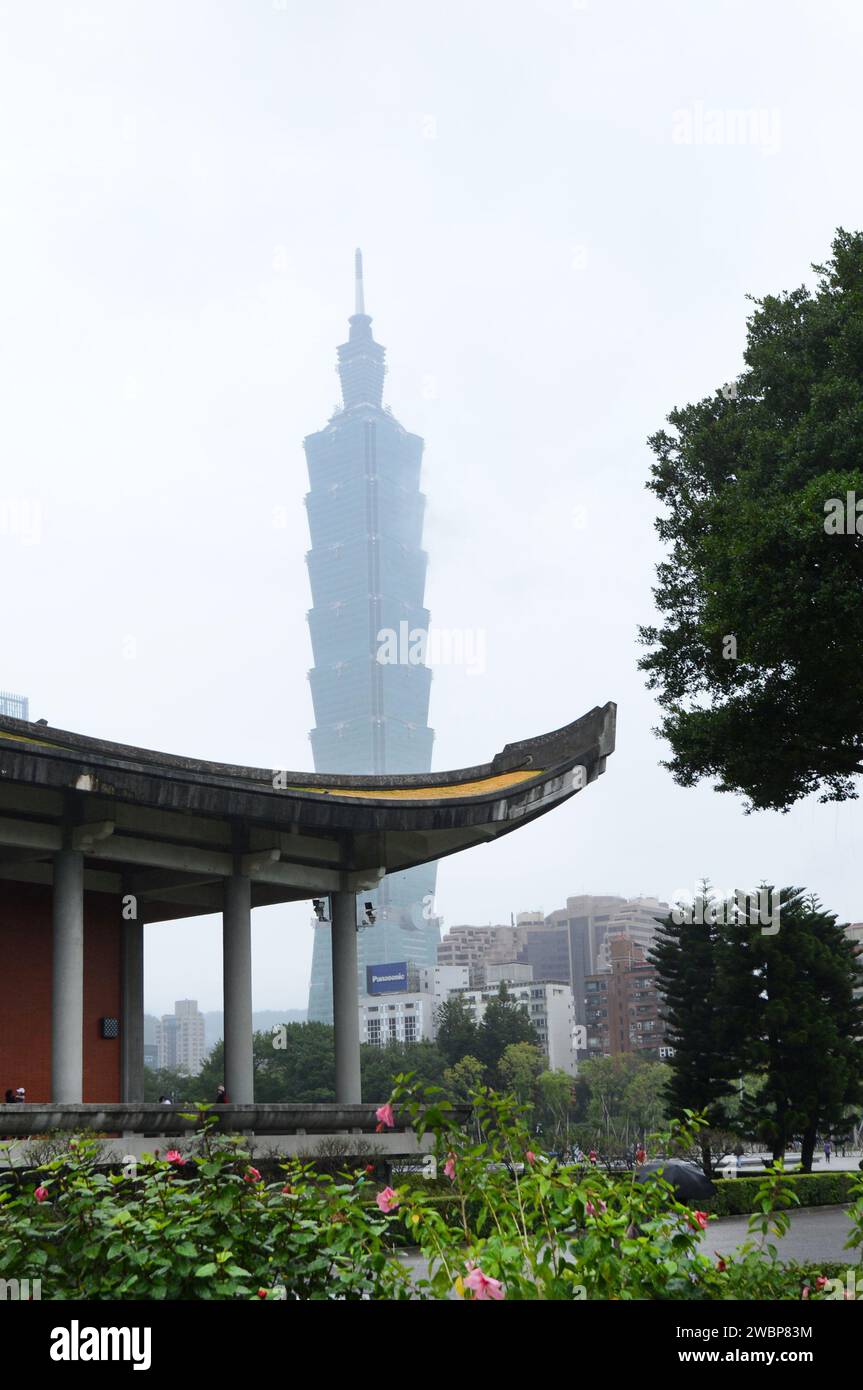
(551, 1010)
(396, 1018)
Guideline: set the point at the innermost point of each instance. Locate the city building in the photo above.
(855, 931)
(637, 920)
(396, 1018)
(180, 1038)
(470, 947)
(370, 683)
(623, 1010)
(440, 980)
(549, 1006)
(14, 706)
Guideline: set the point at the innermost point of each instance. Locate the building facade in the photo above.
(624, 1006)
(180, 1038)
(368, 623)
(15, 706)
(549, 1005)
(396, 1018)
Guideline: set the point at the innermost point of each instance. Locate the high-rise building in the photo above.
(370, 684)
(14, 706)
(180, 1038)
(624, 1006)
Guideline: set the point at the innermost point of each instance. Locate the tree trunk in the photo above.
(706, 1158)
(807, 1148)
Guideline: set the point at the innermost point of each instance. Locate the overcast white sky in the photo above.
(552, 266)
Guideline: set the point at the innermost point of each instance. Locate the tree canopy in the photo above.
(757, 659)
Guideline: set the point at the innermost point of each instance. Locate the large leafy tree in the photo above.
(381, 1065)
(520, 1068)
(757, 659)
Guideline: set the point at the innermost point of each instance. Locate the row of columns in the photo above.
(67, 1009)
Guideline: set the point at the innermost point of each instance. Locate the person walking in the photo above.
(221, 1096)
(828, 1149)
(640, 1155)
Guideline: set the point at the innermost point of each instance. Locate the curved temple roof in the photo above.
(174, 827)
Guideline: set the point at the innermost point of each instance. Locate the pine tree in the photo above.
(799, 1015)
(687, 957)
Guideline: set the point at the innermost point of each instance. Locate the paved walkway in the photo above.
(816, 1233)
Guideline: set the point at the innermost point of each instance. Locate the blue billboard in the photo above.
(387, 979)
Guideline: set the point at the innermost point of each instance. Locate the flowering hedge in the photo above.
(205, 1224)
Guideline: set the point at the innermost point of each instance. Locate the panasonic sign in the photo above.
(387, 979)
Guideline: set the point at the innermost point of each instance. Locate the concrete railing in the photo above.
(123, 1118)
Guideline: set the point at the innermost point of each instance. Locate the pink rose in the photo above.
(174, 1156)
(482, 1285)
(449, 1167)
(387, 1200)
(530, 1156)
(41, 1194)
(384, 1114)
(700, 1219)
(253, 1175)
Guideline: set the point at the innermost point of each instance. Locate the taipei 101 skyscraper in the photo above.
(367, 572)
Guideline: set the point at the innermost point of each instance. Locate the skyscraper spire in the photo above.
(359, 298)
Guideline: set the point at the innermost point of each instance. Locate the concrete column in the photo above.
(132, 1009)
(67, 996)
(346, 1006)
(237, 948)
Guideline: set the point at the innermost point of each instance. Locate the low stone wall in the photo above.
(21, 1121)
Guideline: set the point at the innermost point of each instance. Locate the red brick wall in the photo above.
(25, 991)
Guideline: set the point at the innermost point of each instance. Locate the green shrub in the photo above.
(508, 1223)
(738, 1196)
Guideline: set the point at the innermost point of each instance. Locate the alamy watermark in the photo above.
(741, 908)
(714, 125)
(433, 646)
(20, 1290)
(844, 515)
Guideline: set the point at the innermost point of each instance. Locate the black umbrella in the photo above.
(686, 1178)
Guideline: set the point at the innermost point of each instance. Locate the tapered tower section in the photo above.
(367, 572)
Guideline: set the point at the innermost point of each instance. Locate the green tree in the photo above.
(519, 1068)
(381, 1065)
(504, 1022)
(293, 1063)
(686, 955)
(462, 1079)
(456, 1030)
(757, 661)
(793, 996)
(167, 1082)
(554, 1097)
(645, 1105)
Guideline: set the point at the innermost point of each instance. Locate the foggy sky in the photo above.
(561, 210)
